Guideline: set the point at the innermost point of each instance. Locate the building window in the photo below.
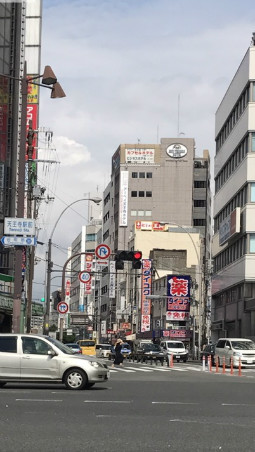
(199, 222)
(252, 243)
(252, 192)
(90, 237)
(141, 194)
(253, 142)
(199, 203)
(199, 184)
(134, 175)
(133, 194)
(253, 92)
(140, 213)
(149, 194)
(133, 213)
(149, 175)
(142, 175)
(148, 213)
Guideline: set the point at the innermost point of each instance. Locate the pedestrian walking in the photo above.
(118, 355)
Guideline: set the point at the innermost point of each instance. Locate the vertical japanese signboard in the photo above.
(178, 292)
(112, 279)
(123, 206)
(146, 290)
(88, 268)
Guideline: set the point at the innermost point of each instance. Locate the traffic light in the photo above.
(119, 260)
(56, 299)
(136, 260)
(133, 256)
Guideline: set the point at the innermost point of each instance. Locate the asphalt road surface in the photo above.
(141, 408)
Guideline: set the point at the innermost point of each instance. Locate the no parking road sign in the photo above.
(62, 307)
(103, 251)
(85, 276)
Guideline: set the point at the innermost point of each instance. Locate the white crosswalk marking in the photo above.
(142, 370)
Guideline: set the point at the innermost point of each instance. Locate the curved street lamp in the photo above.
(96, 200)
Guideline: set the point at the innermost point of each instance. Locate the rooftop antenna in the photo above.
(178, 117)
(253, 39)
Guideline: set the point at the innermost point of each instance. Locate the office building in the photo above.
(233, 284)
(161, 183)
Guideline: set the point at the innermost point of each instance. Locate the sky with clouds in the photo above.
(123, 65)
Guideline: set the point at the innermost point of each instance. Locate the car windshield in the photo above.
(105, 347)
(152, 347)
(61, 346)
(73, 345)
(126, 346)
(175, 345)
(243, 345)
(87, 343)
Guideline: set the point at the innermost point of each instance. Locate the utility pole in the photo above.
(30, 250)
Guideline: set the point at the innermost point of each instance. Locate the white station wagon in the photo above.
(33, 358)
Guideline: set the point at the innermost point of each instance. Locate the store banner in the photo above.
(146, 290)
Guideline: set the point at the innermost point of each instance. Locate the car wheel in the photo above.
(2, 384)
(178, 360)
(75, 379)
(184, 360)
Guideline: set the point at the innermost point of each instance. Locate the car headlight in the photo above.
(94, 363)
(237, 354)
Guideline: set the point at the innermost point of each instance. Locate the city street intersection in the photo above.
(141, 408)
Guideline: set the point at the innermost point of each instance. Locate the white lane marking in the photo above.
(143, 370)
(175, 403)
(38, 400)
(194, 368)
(108, 401)
(124, 370)
(237, 404)
(112, 370)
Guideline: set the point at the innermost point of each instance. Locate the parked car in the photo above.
(175, 348)
(235, 348)
(103, 350)
(125, 350)
(33, 358)
(149, 351)
(75, 348)
(209, 350)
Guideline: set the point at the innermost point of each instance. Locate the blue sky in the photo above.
(123, 64)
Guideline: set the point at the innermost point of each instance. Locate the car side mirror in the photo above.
(227, 347)
(52, 353)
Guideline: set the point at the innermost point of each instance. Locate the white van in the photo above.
(175, 348)
(103, 350)
(235, 348)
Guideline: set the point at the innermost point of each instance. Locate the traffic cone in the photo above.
(240, 367)
(223, 365)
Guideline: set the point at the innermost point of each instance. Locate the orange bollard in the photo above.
(231, 366)
(209, 359)
(223, 365)
(216, 365)
(171, 360)
(203, 362)
(240, 367)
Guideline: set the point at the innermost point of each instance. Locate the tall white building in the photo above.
(233, 284)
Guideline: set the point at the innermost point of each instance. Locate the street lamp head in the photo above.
(48, 77)
(96, 200)
(57, 91)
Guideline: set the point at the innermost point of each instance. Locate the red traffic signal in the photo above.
(137, 255)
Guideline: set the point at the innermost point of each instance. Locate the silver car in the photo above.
(33, 358)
